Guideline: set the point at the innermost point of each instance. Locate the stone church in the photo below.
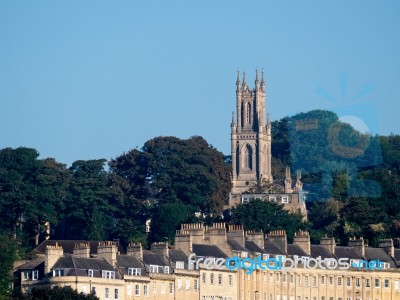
(251, 153)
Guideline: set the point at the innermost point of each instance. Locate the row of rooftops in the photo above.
(219, 241)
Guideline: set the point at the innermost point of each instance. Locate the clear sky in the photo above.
(92, 79)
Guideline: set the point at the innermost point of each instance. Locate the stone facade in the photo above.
(251, 152)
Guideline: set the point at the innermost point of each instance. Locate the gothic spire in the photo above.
(238, 77)
(256, 76)
(244, 78)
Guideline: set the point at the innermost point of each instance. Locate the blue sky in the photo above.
(92, 79)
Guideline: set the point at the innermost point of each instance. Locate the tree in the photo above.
(267, 216)
(8, 249)
(87, 209)
(56, 293)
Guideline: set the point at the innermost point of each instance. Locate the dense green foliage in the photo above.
(267, 216)
(7, 256)
(352, 180)
(56, 293)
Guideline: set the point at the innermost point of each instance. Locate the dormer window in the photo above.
(180, 265)
(166, 270)
(90, 273)
(244, 254)
(108, 274)
(134, 271)
(153, 269)
(58, 272)
(265, 256)
(285, 199)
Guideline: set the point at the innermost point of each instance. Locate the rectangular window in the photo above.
(396, 284)
(314, 281)
(306, 280)
(171, 287)
(298, 280)
(145, 290)
(358, 282)
(60, 272)
(203, 277)
(291, 278)
(220, 279)
(162, 287)
(35, 275)
(166, 270)
(348, 280)
(322, 279)
(90, 273)
(107, 293)
(272, 198)
(339, 281)
(154, 287)
(195, 284)
(265, 256)
(277, 277)
(153, 269)
(377, 283)
(387, 283)
(179, 283)
(330, 280)
(116, 294)
(137, 290)
(187, 284)
(212, 278)
(134, 271)
(285, 199)
(108, 274)
(180, 265)
(367, 283)
(284, 278)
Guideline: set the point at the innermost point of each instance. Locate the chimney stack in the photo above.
(108, 250)
(358, 246)
(302, 239)
(135, 250)
(82, 250)
(52, 254)
(387, 245)
(279, 238)
(328, 243)
(160, 248)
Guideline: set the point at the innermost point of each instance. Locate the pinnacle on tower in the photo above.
(238, 77)
(233, 124)
(256, 77)
(244, 78)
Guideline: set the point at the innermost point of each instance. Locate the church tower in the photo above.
(250, 136)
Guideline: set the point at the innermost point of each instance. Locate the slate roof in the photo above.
(379, 254)
(320, 251)
(346, 252)
(68, 246)
(208, 251)
(33, 264)
(128, 261)
(397, 254)
(236, 246)
(295, 250)
(177, 255)
(270, 248)
(252, 247)
(150, 258)
(72, 262)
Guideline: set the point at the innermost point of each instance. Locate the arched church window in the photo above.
(248, 157)
(248, 113)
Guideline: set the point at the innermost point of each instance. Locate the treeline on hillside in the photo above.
(351, 178)
(167, 181)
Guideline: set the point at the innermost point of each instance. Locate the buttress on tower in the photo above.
(250, 136)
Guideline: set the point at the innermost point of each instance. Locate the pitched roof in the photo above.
(208, 251)
(151, 258)
(320, 251)
(128, 261)
(379, 254)
(295, 250)
(71, 262)
(32, 264)
(235, 246)
(177, 255)
(253, 247)
(346, 252)
(270, 248)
